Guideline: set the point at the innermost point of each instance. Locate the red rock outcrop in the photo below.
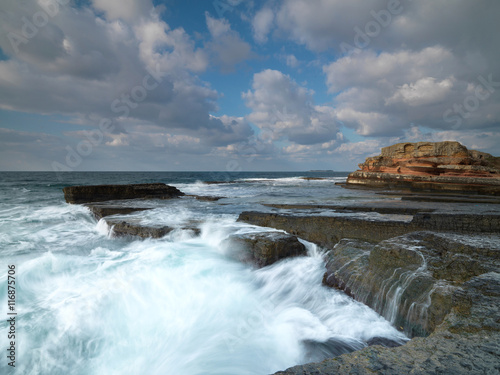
(444, 166)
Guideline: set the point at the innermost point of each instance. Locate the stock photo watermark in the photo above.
(11, 314)
(40, 19)
(372, 29)
(223, 6)
(246, 327)
(121, 107)
(471, 103)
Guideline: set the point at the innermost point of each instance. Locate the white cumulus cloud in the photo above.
(283, 109)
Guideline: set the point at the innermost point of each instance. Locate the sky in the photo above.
(231, 85)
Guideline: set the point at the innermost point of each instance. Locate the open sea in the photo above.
(89, 303)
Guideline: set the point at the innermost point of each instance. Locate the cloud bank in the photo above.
(151, 93)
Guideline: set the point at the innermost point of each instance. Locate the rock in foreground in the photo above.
(466, 343)
(443, 289)
(100, 193)
(443, 286)
(410, 279)
(441, 166)
(263, 249)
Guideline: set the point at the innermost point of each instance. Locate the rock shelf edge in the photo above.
(436, 278)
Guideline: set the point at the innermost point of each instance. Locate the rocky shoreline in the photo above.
(436, 277)
(431, 268)
(439, 166)
(106, 201)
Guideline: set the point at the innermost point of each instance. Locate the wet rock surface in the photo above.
(410, 279)
(467, 342)
(100, 193)
(441, 353)
(452, 199)
(205, 198)
(101, 210)
(134, 228)
(443, 287)
(115, 197)
(352, 208)
(439, 286)
(327, 231)
(316, 351)
(122, 228)
(263, 249)
(436, 277)
(433, 166)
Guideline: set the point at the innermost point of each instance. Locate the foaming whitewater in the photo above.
(89, 303)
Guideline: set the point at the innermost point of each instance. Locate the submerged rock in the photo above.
(205, 198)
(100, 193)
(263, 249)
(442, 353)
(442, 166)
(316, 351)
(219, 182)
(384, 341)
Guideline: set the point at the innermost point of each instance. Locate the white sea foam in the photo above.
(90, 304)
(103, 228)
(289, 180)
(180, 306)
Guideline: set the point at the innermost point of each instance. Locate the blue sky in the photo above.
(242, 85)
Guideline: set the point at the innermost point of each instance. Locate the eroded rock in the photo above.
(327, 231)
(263, 249)
(462, 317)
(101, 210)
(122, 228)
(441, 353)
(409, 279)
(442, 166)
(134, 228)
(100, 193)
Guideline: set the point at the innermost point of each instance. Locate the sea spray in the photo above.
(93, 304)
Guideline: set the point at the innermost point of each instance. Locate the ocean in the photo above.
(89, 303)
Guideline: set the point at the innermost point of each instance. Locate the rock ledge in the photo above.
(438, 166)
(101, 193)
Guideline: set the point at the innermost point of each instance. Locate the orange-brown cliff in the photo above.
(444, 166)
